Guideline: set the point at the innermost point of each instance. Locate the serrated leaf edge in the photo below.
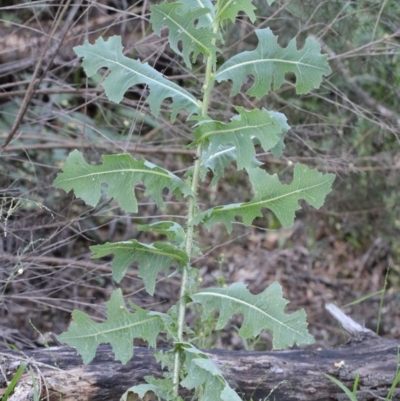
(239, 301)
(262, 203)
(151, 247)
(194, 39)
(60, 337)
(170, 87)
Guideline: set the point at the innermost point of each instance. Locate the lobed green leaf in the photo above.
(269, 63)
(282, 199)
(229, 9)
(277, 150)
(119, 330)
(180, 21)
(172, 230)
(152, 259)
(205, 377)
(170, 321)
(251, 125)
(204, 20)
(217, 160)
(126, 72)
(262, 311)
(162, 388)
(121, 173)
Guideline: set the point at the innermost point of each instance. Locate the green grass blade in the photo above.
(14, 381)
(363, 298)
(393, 387)
(396, 379)
(349, 394)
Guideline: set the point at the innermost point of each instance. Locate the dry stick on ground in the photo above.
(48, 262)
(297, 375)
(16, 46)
(61, 143)
(51, 53)
(361, 93)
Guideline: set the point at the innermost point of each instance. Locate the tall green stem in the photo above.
(192, 202)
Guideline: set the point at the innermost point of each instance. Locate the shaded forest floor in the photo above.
(342, 253)
(41, 291)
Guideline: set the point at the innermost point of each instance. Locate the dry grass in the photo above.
(48, 107)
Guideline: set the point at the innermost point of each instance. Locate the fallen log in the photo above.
(294, 375)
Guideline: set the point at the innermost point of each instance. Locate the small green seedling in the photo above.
(352, 395)
(14, 381)
(196, 30)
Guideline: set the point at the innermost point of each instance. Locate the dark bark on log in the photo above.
(295, 375)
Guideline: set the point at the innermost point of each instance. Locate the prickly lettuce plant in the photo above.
(196, 31)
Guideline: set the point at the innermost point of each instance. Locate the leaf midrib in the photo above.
(240, 301)
(172, 88)
(130, 170)
(103, 332)
(234, 130)
(252, 62)
(149, 250)
(218, 154)
(222, 10)
(193, 38)
(260, 203)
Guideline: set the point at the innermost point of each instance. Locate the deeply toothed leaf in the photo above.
(119, 330)
(269, 63)
(162, 388)
(204, 20)
(121, 173)
(277, 150)
(282, 199)
(172, 230)
(152, 259)
(265, 311)
(205, 377)
(240, 132)
(229, 9)
(182, 29)
(126, 72)
(218, 160)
